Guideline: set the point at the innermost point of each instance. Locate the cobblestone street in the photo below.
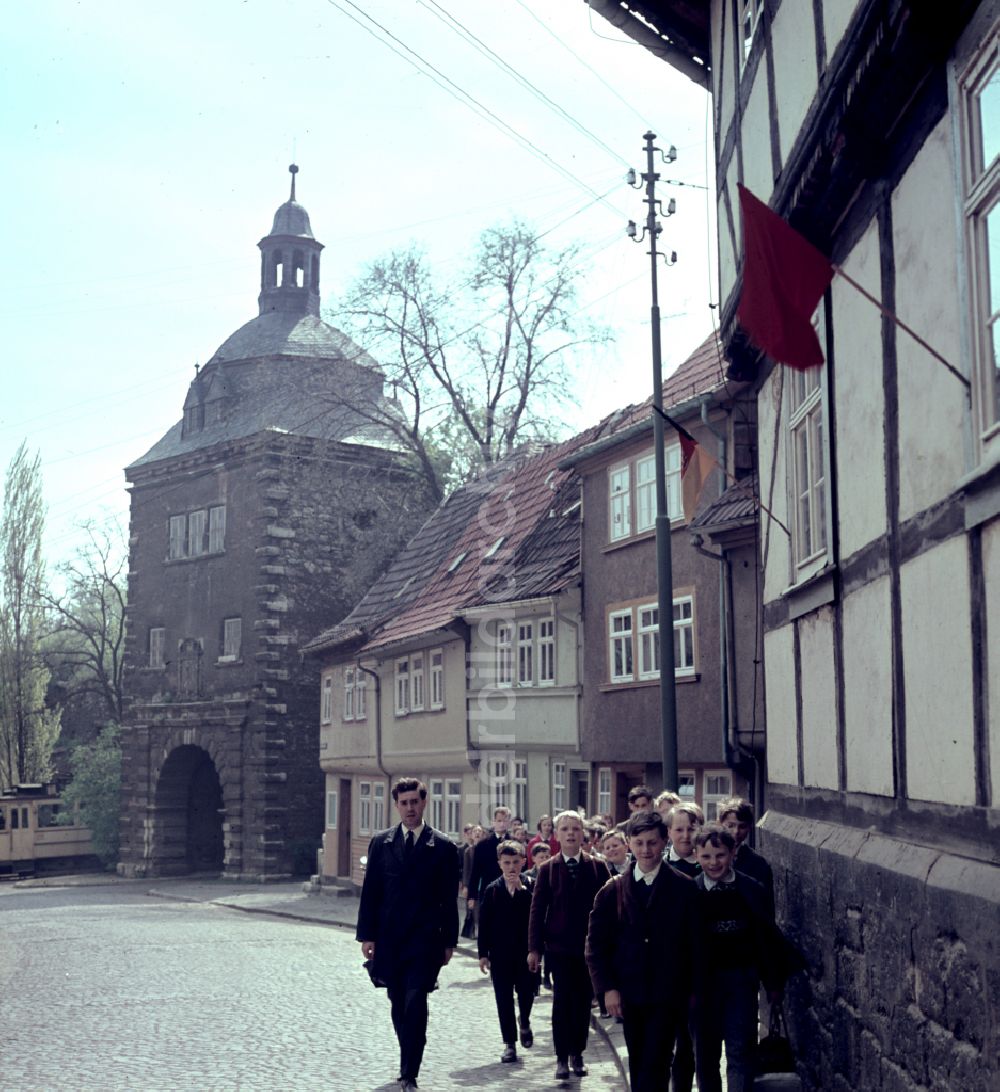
(109, 988)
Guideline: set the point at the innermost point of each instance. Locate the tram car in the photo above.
(34, 838)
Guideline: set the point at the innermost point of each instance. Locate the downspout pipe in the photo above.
(378, 715)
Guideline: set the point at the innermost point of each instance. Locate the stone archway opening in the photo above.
(189, 813)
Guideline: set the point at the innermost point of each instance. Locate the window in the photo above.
(685, 787)
(365, 807)
(750, 12)
(808, 468)
(378, 805)
(196, 545)
(348, 693)
(649, 642)
(360, 694)
(635, 516)
(979, 88)
(196, 533)
(504, 655)
(525, 654)
(621, 504)
(634, 641)
(157, 645)
(436, 792)
(402, 687)
(718, 787)
(558, 787)
(437, 678)
(332, 806)
(546, 651)
(232, 639)
(326, 700)
(620, 645)
(604, 791)
(216, 529)
(417, 685)
(453, 800)
(520, 802)
(684, 636)
(498, 775)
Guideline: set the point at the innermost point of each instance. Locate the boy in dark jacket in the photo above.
(736, 815)
(742, 948)
(503, 947)
(560, 912)
(642, 952)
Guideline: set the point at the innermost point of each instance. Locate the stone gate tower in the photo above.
(263, 514)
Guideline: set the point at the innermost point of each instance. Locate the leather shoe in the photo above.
(406, 1085)
(509, 1053)
(562, 1070)
(527, 1036)
(578, 1067)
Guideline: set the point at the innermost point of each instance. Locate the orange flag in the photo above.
(696, 465)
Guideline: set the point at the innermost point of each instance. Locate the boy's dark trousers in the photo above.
(508, 981)
(682, 1070)
(649, 1037)
(727, 1012)
(572, 994)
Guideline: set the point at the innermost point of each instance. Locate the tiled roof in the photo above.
(737, 505)
(512, 534)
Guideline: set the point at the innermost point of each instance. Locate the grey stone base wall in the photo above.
(902, 990)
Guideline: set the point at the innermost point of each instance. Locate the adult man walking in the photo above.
(408, 918)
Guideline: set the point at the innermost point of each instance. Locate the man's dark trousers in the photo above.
(408, 996)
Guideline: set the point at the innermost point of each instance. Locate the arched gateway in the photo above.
(188, 814)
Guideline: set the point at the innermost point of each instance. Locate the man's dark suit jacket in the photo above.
(560, 909)
(649, 952)
(485, 866)
(409, 908)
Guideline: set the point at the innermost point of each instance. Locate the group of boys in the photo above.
(673, 933)
(670, 926)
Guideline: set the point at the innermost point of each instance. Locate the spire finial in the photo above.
(293, 171)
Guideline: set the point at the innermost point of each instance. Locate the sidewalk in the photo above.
(283, 900)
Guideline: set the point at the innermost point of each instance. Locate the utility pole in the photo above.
(664, 559)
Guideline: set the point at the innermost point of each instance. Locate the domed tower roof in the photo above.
(291, 218)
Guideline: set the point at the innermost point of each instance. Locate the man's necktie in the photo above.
(574, 868)
(408, 849)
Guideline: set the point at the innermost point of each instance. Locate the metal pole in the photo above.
(664, 561)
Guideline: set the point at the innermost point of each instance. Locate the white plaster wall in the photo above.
(857, 338)
(779, 675)
(819, 700)
(756, 135)
(774, 541)
(836, 15)
(727, 251)
(868, 688)
(937, 672)
(794, 38)
(991, 571)
(932, 403)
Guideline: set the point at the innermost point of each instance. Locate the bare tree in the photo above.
(86, 636)
(28, 729)
(475, 368)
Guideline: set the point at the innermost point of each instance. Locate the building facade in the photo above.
(269, 506)
(872, 128)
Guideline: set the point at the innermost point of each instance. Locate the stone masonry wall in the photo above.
(903, 986)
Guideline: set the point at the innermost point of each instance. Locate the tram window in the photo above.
(24, 818)
(3, 818)
(14, 819)
(47, 815)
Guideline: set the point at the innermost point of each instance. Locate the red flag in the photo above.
(784, 278)
(696, 465)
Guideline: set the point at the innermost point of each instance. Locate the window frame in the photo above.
(157, 643)
(547, 651)
(708, 799)
(228, 628)
(632, 493)
(519, 788)
(604, 795)
(401, 686)
(436, 796)
(378, 804)
(504, 654)
(525, 652)
(326, 699)
(981, 201)
(365, 807)
(416, 682)
(332, 808)
(200, 532)
(644, 639)
(348, 710)
(436, 660)
(453, 806)
(558, 787)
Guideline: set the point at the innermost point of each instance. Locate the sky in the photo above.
(148, 147)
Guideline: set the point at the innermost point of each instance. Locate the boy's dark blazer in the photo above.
(775, 957)
(503, 924)
(560, 909)
(409, 908)
(485, 866)
(647, 953)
